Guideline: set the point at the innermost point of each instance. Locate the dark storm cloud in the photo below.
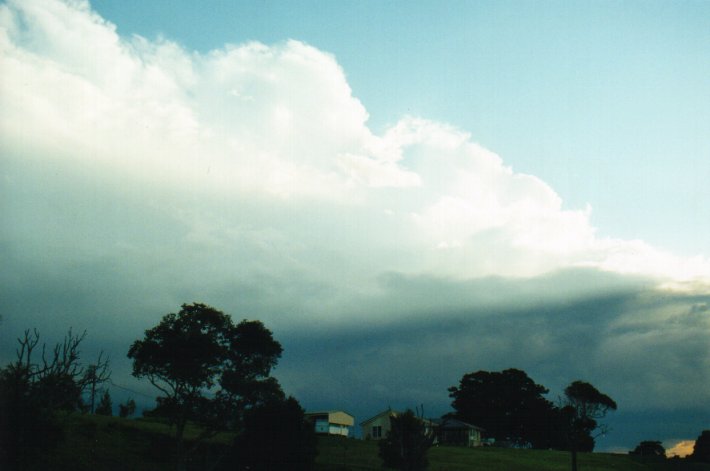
(413, 361)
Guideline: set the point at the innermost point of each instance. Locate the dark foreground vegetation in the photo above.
(219, 408)
(93, 442)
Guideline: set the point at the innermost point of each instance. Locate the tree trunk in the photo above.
(574, 456)
(93, 395)
(180, 464)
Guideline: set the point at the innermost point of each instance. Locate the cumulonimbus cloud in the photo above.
(137, 174)
(281, 122)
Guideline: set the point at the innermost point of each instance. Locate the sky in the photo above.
(403, 192)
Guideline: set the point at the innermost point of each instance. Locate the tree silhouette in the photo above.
(127, 409)
(208, 369)
(276, 437)
(407, 443)
(649, 448)
(507, 404)
(33, 388)
(701, 449)
(105, 404)
(583, 405)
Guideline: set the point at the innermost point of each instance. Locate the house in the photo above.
(378, 426)
(450, 431)
(334, 422)
(446, 431)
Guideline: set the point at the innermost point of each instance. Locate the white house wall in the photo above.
(382, 421)
(338, 430)
(323, 426)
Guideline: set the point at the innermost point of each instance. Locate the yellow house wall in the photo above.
(341, 418)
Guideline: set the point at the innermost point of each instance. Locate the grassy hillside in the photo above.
(110, 443)
(94, 442)
(356, 455)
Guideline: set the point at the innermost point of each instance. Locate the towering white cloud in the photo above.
(280, 122)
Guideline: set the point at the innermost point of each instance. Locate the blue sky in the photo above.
(419, 188)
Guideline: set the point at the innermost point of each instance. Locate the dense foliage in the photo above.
(208, 369)
(512, 409)
(276, 436)
(509, 405)
(649, 448)
(105, 406)
(701, 449)
(406, 445)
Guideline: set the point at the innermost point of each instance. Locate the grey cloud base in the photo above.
(647, 349)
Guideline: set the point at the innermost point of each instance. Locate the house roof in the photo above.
(387, 412)
(451, 423)
(392, 413)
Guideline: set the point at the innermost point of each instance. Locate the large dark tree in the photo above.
(208, 369)
(701, 449)
(276, 437)
(649, 448)
(583, 405)
(407, 443)
(508, 405)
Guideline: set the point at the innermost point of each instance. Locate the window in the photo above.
(377, 431)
